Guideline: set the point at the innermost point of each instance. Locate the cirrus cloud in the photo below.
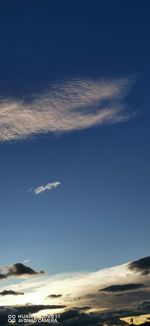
(48, 186)
(67, 106)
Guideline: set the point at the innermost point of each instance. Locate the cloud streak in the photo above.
(10, 292)
(49, 186)
(122, 287)
(67, 106)
(54, 296)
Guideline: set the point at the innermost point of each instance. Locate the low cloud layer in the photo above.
(67, 106)
(49, 186)
(80, 298)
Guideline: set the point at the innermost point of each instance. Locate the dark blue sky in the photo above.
(99, 216)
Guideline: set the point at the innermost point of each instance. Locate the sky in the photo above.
(74, 134)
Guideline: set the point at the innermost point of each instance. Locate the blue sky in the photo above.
(99, 215)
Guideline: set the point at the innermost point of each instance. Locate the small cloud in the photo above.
(26, 261)
(19, 270)
(49, 186)
(2, 276)
(10, 292)
(54, 296)
(121, 287)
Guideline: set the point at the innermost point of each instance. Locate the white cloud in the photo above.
(49, 186)
(67, 106)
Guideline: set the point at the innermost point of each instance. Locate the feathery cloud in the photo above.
(67, 106)
(49, 186)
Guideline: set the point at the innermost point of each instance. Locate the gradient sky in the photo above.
(99, 214)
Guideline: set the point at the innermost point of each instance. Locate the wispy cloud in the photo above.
(67, 106)
(49, 186)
